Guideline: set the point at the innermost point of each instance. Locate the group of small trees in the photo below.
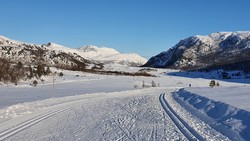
(38, 71)
(213, 84)
(153, 84)
(10, 72)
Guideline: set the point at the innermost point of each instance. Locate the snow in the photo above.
(127, 115)
(57, 47)
(216, 38)
(237, 96)
(103, 107)
(218, 114)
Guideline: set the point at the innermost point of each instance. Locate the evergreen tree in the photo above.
(40, 70)
(31, 72)
(19, 65)
(48, 71)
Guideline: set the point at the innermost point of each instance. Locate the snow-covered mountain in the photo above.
(49, 54)
(108, 55)
(53, 54)
(218, 50)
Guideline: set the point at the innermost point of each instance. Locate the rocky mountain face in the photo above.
(56, 55)
(226, 50)
(32, 54)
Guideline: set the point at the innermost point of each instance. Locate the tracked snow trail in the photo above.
(130, 115)
(28, 123)
(189, 133)
(192, 127)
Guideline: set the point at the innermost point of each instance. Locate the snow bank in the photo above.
(235, 122)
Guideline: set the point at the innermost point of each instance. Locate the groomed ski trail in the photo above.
(187, 131)
(129, 115)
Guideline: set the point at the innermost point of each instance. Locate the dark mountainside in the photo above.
(221, 50)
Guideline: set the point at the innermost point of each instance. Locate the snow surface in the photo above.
(103, 107)
(57, 47)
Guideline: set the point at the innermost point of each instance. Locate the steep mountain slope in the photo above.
(229, 50)
(49, 54)
(57, 55)
(109, 55)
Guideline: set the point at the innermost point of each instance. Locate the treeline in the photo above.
(243, 66)
(97, 69)
(10, 73)
(119, 73)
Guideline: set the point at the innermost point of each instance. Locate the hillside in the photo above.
(227, 50)
(111, 56)
(33, 54)
(54, 54)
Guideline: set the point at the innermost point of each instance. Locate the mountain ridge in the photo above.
(215, 50)
(10, 48)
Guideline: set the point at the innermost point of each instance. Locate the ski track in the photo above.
(28, 123)
(187, 131)
(130, 118)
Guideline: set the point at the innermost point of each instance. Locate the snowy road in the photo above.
(130, 115)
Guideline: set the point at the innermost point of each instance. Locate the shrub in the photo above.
(153, 84)
(217, 84)
(61, 74)
(212, 83)
(34, 83)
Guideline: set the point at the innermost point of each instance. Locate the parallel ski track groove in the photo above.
(29, 123)
(186, 130)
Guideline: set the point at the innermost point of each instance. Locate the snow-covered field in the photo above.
(82, 106)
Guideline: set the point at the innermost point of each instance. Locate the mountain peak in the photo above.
(95, 49)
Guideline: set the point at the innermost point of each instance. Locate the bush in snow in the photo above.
(34, 83)
(153, 84)
(60, 74)
(212, 83)
(217, 84)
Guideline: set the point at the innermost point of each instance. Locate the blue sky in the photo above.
(146, 27)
